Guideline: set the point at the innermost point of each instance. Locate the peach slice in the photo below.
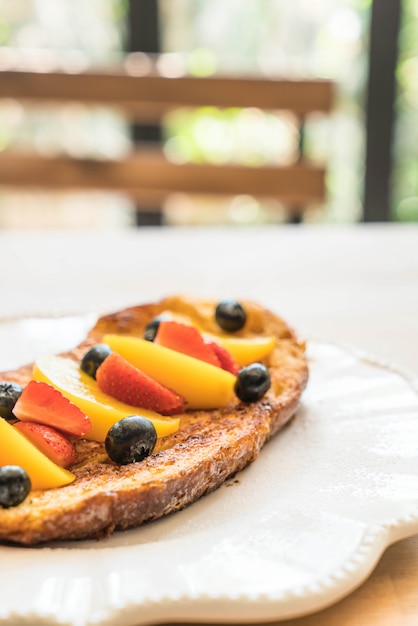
(243, 350)
(15, 449)
(204, 386)
(82, 390)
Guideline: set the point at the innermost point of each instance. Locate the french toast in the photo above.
(209, 447)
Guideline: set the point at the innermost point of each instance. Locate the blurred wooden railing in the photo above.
(146, 173)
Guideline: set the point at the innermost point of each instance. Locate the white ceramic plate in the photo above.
(293, 533)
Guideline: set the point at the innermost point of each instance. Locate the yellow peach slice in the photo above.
(65, 374)
(204, 386)
(243, 350)
(15, 449)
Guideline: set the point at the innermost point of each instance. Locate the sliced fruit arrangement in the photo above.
(38, 443)
(48, 420)
(152, 327)
(245, 351)
(83, 391)
(226, 360)
(42, 403)
(202, 385)
(185, 339)
(50, 441)
(121, 380)
(188, 340)
(200, 368)
(93, 358)
(16, 449)
(174, 368)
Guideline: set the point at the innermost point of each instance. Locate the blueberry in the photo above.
(131, 439)
(230, 315)
(253, 382)
(14, 485)
(9, 395)
(94, 358)
(152, 327)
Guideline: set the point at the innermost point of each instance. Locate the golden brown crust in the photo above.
(209, 447)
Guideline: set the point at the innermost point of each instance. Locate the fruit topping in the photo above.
(15, 485)
(49, 441)
(253, 382)
(82, 390)
(202, 385)
(43, 404)
(152, 327)
(9, 394)
(16, 449)
(130, 440)
(185, 339)
(123, 381)
(230, 315)
(94, 358)
(246, 350)
(226, 361)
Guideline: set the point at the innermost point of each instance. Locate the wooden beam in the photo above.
(151, 173)
(151, 95)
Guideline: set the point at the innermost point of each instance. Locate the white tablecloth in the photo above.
(355, 285)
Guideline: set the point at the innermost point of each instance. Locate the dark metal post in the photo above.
(380, 108)
(296, 212)
(143, 35)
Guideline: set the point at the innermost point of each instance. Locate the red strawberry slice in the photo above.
(185, 339)
(49, 441)
(123, 381)
(43, 404)
(226, 360)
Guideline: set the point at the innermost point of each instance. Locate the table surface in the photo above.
(354, 285)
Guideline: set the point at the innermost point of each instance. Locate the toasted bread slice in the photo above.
(209, 447)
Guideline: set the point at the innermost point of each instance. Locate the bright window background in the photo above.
(302, 38)
(298, 39)
(71, 35)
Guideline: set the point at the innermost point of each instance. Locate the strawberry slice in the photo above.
(123, 381)
(49, 441)
(185, 339)
(43, 404)
(226, 360)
